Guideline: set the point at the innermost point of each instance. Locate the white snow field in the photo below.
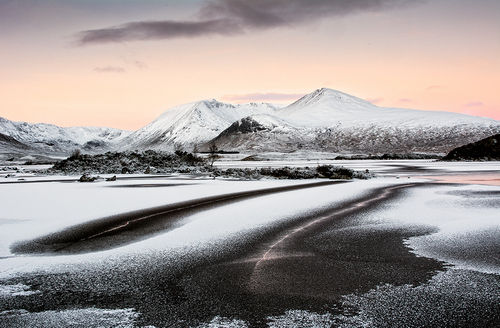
(35, 209)
(465, 218)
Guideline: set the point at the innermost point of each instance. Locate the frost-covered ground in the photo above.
(32, 210)
(460, 222)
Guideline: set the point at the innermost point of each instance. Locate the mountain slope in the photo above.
(190, 124)
(51, 139)
(327, 107)
(332, 121)
(487, 149)
(325, 120)
(259, 132)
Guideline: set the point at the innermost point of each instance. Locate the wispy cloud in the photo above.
(110, 69)
(140, 64)
(135, 62)
(253, 97)
(405, 100)
(474, 104)
(231, 17)
(375, 101)
(433, 87)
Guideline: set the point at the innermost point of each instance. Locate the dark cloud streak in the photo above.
(231, 17)
(155, 30)
(275, 13)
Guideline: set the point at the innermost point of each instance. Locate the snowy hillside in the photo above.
(327, 107)
(51, 139)
(325, 120)
(332, 121)
(193, 123)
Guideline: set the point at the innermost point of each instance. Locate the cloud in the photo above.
(474, 104)
(110, 69)
(253, 97)
(137, 63)
(433, 87)
(405, 100)
(154, 30)
(232, 17)
(375, 101)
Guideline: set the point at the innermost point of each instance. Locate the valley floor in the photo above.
(418, 246)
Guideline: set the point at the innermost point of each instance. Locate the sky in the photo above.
(121, 63)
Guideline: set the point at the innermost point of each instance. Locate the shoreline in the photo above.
(347, 263)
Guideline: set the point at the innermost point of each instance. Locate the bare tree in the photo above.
(212, 157)
(76, 154)
(178, 148)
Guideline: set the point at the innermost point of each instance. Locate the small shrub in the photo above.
(113, 178)
(75, 155)
(87, 178)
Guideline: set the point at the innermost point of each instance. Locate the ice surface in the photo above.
(454, 298)
(33, 210)
(81, 318)
(467, 220)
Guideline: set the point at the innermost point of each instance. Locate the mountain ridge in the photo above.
(50, 139)
(325, 120)
(192, 123)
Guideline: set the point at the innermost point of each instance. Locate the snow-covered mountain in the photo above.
(324, 120)
(327, 107)
(192, 124)
(332, 121)
(48, 139)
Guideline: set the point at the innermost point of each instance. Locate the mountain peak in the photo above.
(335, 99)
(213, 103)
(324, 106)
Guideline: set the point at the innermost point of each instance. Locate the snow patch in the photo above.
(93, 317)
(16, 290)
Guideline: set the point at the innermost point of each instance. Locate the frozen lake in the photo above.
(414, 246)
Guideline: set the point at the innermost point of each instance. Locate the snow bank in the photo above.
(33, 210)
(466, 217)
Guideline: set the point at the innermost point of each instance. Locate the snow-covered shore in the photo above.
(463, 219)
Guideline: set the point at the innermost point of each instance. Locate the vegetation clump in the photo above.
(487, 149)
(87, 178)
(148, 162)
(153, 162)
(295, 173)
(389, 156)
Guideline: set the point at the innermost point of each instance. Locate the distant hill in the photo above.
(330, 121)
(19, 139)
(191, 124)
(326, 121)
(487, 149)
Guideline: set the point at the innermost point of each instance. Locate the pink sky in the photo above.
(122, 63)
